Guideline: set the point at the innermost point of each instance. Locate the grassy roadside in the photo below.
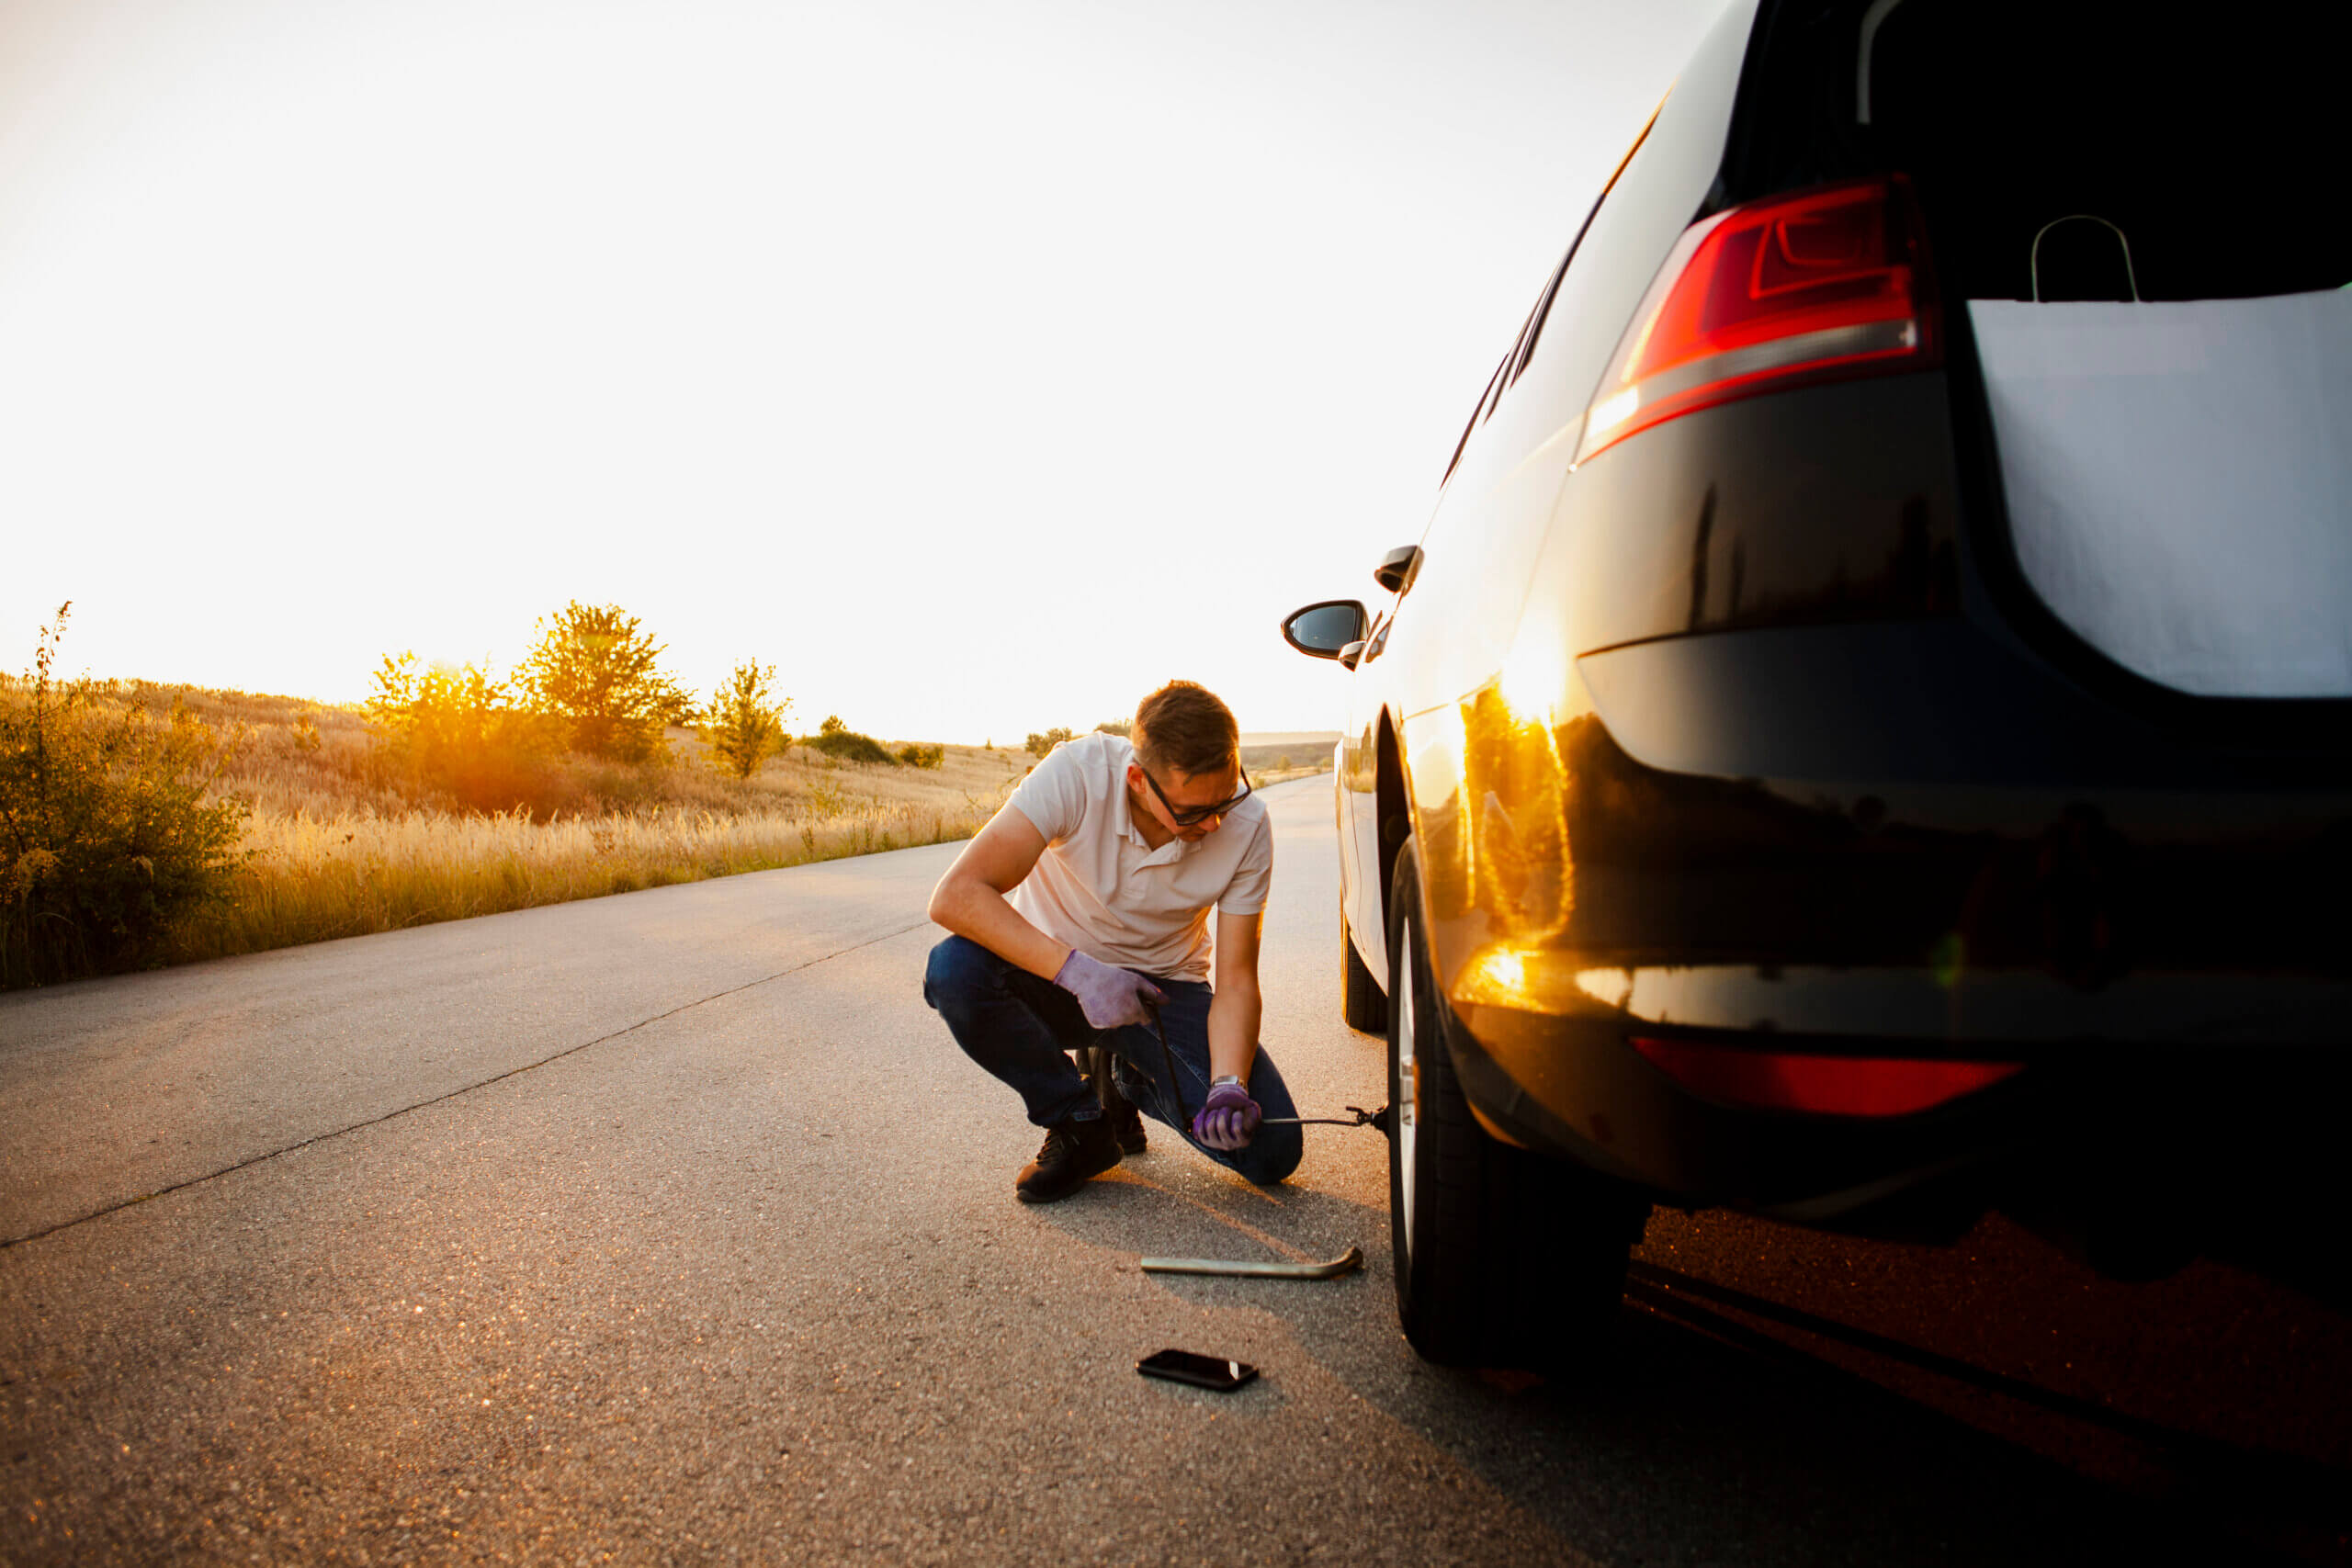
(313, 878)
(331, 847)
(335, 850)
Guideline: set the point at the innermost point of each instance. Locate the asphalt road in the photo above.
(672, 1227)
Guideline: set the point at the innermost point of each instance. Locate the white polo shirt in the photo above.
(1104, 891)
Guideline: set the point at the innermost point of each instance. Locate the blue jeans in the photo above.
(1017, 1027)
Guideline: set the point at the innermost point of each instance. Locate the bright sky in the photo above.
(979, 363)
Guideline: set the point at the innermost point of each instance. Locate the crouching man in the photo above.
(1082, 910)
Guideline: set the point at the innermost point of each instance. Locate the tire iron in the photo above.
(1357, 1116)
(1347, 1262)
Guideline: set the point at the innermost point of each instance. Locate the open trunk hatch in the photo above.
(2138, 220)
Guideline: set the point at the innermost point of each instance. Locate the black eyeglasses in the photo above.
(1192, 816)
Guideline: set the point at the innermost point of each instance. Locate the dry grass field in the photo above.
(334, 855)
(336, 848)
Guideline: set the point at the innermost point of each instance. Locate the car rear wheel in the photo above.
(1503, 1258)
(1363, 1004)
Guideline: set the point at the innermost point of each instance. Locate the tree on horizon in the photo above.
(745, 724)
(599, 670)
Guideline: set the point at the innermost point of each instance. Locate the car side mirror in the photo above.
(1398, 568)
(1325, 630)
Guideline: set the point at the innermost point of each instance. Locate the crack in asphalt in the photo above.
(453, 1094)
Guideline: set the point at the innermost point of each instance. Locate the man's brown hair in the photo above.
(1182, 726)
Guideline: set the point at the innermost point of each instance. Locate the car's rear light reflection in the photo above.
(1821, 1084)
(1822, 285)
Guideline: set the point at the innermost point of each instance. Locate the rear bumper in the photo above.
(1888, 840)
(2152, 1124)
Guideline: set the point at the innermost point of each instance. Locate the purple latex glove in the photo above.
(1109, 996)
(1229, 1118)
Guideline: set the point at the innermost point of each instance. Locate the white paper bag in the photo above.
(2179, 479)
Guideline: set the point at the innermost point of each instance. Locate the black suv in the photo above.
(1864, 735)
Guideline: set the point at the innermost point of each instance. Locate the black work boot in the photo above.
(1073, 1151)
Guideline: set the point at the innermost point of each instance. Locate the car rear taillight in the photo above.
(1817, 285)
(1824, 1086)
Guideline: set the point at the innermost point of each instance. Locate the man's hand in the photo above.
(1109, 996)
(1227, 1120)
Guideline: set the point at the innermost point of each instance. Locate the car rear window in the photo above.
(2199, 147)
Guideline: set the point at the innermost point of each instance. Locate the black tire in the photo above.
(1504, 1258)
(1364, 1006)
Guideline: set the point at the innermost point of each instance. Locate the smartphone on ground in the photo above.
(1201, 1371)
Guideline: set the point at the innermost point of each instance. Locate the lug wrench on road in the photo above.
(1347, 1262)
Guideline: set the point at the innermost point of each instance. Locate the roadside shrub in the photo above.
(917, 755)
(456, 735)
(837, 740)
(106, 837)
(745, 724)
(1039, 745)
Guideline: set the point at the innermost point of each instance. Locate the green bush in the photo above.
(1039, 745)
(917, 755)
(835, 738)
(106, 837)
(745, 724)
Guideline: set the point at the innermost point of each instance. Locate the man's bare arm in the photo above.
(969, 900)
(1235, 1011)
